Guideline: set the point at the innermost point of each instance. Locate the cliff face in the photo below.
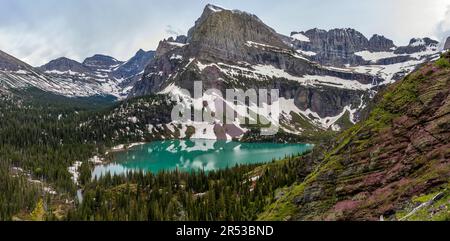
(379, 43)
(334, 46)
(344, 47)
(223, 34)
(447, 44)
(400, 153)
(233, 49)
(417, 45)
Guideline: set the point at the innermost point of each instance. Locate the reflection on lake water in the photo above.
(192, 155)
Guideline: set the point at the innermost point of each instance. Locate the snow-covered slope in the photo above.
(15, 74)
(325, 78)
(351, 50)
(99, 74)
(246, 54)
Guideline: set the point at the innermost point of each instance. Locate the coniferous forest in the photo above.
(40, 138)
(116, 111)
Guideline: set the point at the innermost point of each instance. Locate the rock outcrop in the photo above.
(378, 43)
(343, 47)
(64, 64)
(223, 34)
(132, 70)
(335, 47)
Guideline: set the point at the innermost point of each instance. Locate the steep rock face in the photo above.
(378, 43)
(334, 47)
(376, 167)
(234, 49)
(417, 45)
(348, 47)
(133, 69)
(318, 100)
(223, 34)
(98, 75)
(447, 44)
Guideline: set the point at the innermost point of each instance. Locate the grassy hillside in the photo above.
(396, 161)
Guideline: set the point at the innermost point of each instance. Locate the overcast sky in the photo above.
(37, 31)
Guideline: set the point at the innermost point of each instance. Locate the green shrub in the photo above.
(443, 63)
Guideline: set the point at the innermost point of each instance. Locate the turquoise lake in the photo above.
(193, 155)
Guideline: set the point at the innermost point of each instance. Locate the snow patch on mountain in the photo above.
(300, 37)
(307, 53)
(375, 56)
(264, 72)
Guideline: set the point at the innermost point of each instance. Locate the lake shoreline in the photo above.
(193, 154)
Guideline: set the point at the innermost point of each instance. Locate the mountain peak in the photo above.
(224, 33)
(63, 64)
(140, 52)
(415, 42)
(10, 63)
(214, 8)
(380, 43)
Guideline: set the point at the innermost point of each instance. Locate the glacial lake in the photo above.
(194, 155)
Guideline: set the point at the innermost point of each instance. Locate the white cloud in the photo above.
(38, 31)
(172, 31)
(443, 27)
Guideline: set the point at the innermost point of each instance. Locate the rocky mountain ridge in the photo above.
(233, 49)
(447, 44)
(113, 76)
(15, 74)
(348, 47)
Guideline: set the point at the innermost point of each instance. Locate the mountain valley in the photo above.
(377, 115)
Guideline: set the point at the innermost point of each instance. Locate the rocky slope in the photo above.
(16, 75)
(231, 49)
(132, 70)
(331, 47)
(394, 165)
(106, 74)
(97, 76)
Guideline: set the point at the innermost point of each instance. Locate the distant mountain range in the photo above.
(348, 47)
(325, 78)
(97, 75)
